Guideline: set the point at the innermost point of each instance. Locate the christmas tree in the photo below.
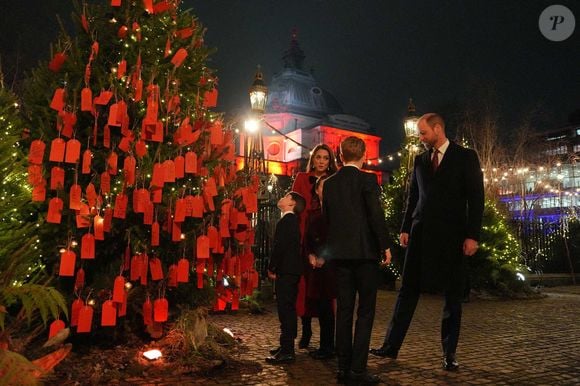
(144, 207)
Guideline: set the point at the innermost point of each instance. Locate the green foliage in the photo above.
(496, 266)
(23, 293)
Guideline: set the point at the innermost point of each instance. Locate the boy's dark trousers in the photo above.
(286, 293)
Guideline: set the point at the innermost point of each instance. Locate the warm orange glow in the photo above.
(152, 354)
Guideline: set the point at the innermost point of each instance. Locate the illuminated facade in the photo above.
(300, 114)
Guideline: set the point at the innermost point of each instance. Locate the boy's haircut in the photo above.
(299, 200)
(352, 149)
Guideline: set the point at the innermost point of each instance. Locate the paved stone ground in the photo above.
(517, 342)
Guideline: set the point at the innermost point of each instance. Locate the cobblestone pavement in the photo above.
(516, 342)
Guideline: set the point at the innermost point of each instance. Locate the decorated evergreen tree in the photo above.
(144, 207)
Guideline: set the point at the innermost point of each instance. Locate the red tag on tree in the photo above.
(83, 216)
(112, 119)
(135, 268)
(169, 171)
(157, 195)
(156, 269)
(158, 180)
(147, 312)
(122, 69)
(123, 306)
(80, 279)
(155, 234)
(160, 310)
(119, 289)
(179, 57)
(57, 147)
(140, 148)
(112, 163)
(213, 235)
(180, 210)
(75, 197)
(176, 231)
(87, 161)
(56, 178)
(148, 213)
(57, 61)
(202, 247)
(179, 163)
(210, 98)
(108, 314)
(57, 102)
(115, 3)
(139, 90)
(36, 153)
(39, 193)
(88, 246)
(121, 202)
(107, 137)
(129, 169)
(210, 187)
(182, 271)
(54, 214)
(73, 151)
(105, 183)
(144, 268)
(199, 280)
(108, 220)
(86, 99)
(85, 319)
(148, 5)
(191, 162)
(216, 134)
(55, 327)
(67, 263)
(77, 304)
(98, 226)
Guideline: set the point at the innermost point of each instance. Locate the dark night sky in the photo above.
(371, 54)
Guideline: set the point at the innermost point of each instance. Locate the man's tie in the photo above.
(435, 160)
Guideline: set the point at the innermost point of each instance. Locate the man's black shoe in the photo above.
(274, 351)
(304, 341)
(449, 363)
(342, 376)
(281, 358)
(364, 378)
(322, 354)
(384, 352)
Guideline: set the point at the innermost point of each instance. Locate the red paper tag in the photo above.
(210, 187)
(39, 193)
(88, 246)
(115, 3)
(75, 197)
(216, 134)
(129, 169)
(179, 57)
(121, 202)
(56, 178)
(119, 289)
(176, 231)
(80, 279)
(87, 161)
(202, 247)
(140, 148)
(158, 180)
(122, 69)
(112, 119)
(144, 268)
(57, 61)
(169, 171)
(191, 162)
(98, 226)
(73, 151)
(148, 213)
(36, 153)
(67, 263)
(148, 5)
(135, 268)
(57, 102)
(156, 269)
(112, 163)
(55, 327)
(105, 183)
(85, 319)
(55, 206)
(86, 99)
(77, 304)
(210, 98)
(180, 210)
(107, 137)
(155, 234)
(139, 90)
(123, 306)
(83, 216)
(199, 280)
(160, 310)
(197, 207)
(108, 220)
(147, 312)
(57, 147)
(182, 271)
(108, 314)
(179, 163)
(213, 235)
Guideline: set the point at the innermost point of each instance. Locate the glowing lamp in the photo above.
(152, 354)
(258, 93)
(411, 121)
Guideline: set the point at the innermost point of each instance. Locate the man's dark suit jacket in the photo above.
(443, 209)
(286, 257)
(355, 218)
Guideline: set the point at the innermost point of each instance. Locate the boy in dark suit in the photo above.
(286, 267)
(357, 240)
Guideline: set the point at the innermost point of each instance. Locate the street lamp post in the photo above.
(254, 162)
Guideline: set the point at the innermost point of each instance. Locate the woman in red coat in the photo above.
(321, 163)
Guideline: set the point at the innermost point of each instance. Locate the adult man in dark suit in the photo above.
(440, 229)
(356, 242)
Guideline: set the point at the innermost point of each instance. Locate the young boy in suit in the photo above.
(285, 267)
